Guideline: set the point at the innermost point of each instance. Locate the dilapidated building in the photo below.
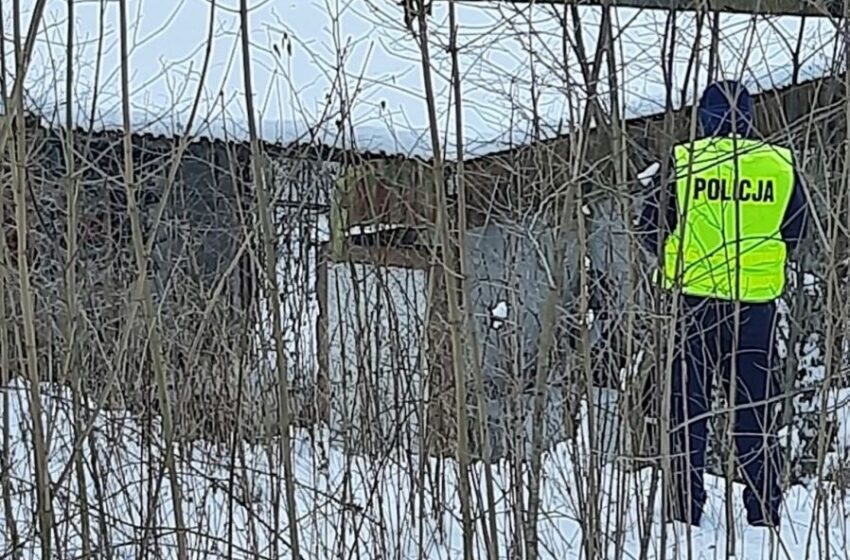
(385, 240)
(361, 275)
(198, 216)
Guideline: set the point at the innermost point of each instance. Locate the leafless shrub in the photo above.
(213, 345)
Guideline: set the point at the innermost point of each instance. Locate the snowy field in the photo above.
(398, 507)
(351, 508)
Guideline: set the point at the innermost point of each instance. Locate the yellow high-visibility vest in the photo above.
(727, 244)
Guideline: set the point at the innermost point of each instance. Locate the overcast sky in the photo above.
(298, 44)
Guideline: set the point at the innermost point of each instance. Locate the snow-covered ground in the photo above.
(354, 508)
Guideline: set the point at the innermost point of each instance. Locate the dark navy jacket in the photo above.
(716, 118)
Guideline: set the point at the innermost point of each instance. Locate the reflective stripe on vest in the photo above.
(731, 211)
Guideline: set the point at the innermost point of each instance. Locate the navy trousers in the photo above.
(708, 349)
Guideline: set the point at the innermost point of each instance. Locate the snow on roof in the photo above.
(298, 45)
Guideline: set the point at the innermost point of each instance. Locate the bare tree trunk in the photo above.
(18, 157)
(565, 223)
(72, 368)
(451, 285)
(667, 353)
(5, 379)
(468, 315)
(98, 60)
(23, 55)
(5, 336)
(142, 291)
(270, 261)
(836, 310)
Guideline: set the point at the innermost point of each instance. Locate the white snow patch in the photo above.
(374, 228)
(498, 314)
(500, 310)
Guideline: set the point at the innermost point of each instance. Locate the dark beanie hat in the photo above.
(726, 107)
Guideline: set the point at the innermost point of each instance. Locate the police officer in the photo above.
(735, 209)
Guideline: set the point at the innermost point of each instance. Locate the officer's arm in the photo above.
(796, 216)
(650, 225)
